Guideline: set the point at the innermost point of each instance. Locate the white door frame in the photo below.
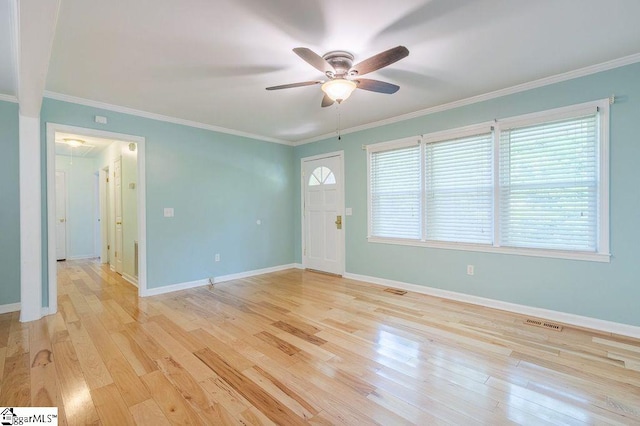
(303, 185)
(66, 216)
(103, 194)
(52, 128)
(117, 204)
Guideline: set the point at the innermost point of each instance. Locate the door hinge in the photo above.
(108, 247)
(107, 180)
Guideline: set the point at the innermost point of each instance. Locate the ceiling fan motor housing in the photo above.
(341, 61)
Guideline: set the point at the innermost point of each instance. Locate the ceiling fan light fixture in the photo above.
(339, 89)
(74, 143)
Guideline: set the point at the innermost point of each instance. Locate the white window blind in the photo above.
(549, 185)
(396, 193)
(459, 189)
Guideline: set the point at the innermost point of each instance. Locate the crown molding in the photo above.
(8, 98)
(159, 117)
(592, 69)
(546, 81)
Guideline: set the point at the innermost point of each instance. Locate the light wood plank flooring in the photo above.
(298, 347)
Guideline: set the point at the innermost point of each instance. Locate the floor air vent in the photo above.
(543, 324)
(395, 291)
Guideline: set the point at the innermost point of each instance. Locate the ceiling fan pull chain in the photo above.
(338, 109)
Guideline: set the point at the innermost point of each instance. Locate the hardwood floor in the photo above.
(297, 347)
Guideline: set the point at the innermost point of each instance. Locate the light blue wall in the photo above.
(80, 201)
(9, 205)
(609, 291)
(218, 184)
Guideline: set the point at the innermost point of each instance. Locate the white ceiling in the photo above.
(91, 147)
(210, 61)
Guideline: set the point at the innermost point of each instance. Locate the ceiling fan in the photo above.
(343, 76)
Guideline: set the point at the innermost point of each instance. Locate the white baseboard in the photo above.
(46, 311)
(81, 257)
(253, 273)
(174, 287)
(198, 283)
(563, 317)
(129, 278)
(298, 265)
(9, 307)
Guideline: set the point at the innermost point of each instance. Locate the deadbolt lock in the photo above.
(338, 222)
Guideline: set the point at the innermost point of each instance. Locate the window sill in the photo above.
(556, 254)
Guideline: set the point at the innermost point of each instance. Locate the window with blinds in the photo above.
(535, 184)
(459, 189)
(440, 190)
(395, 193)
(549, 185)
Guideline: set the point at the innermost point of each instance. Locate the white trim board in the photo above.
(159, 117)
(253, 273)
(31, 218)
(130, 279)
(216, 280)
(563, 317)
(9, 307)
(8, 98)
(81, 257)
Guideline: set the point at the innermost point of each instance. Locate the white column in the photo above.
(30, 219)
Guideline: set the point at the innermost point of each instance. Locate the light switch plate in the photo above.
(168, 212)
(348, 211)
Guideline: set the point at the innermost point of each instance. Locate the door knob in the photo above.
(338, 222)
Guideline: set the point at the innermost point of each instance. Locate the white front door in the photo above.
(117, 184)
(61, 215)
(322, 180)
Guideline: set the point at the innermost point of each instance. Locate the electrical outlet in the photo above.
(217, 257)
(470, 269)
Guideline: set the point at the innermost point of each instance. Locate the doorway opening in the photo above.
(104, 198)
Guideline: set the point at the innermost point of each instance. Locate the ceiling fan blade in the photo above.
(380, 60)
(315, 60)
(288, 86)
(377, 86)
(326, 101)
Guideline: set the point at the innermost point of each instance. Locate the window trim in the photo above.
(603, 237)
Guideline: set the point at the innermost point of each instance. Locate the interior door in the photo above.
(117, 185)
(61, 215)
(323, 248)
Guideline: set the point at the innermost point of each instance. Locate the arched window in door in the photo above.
(322, 176)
